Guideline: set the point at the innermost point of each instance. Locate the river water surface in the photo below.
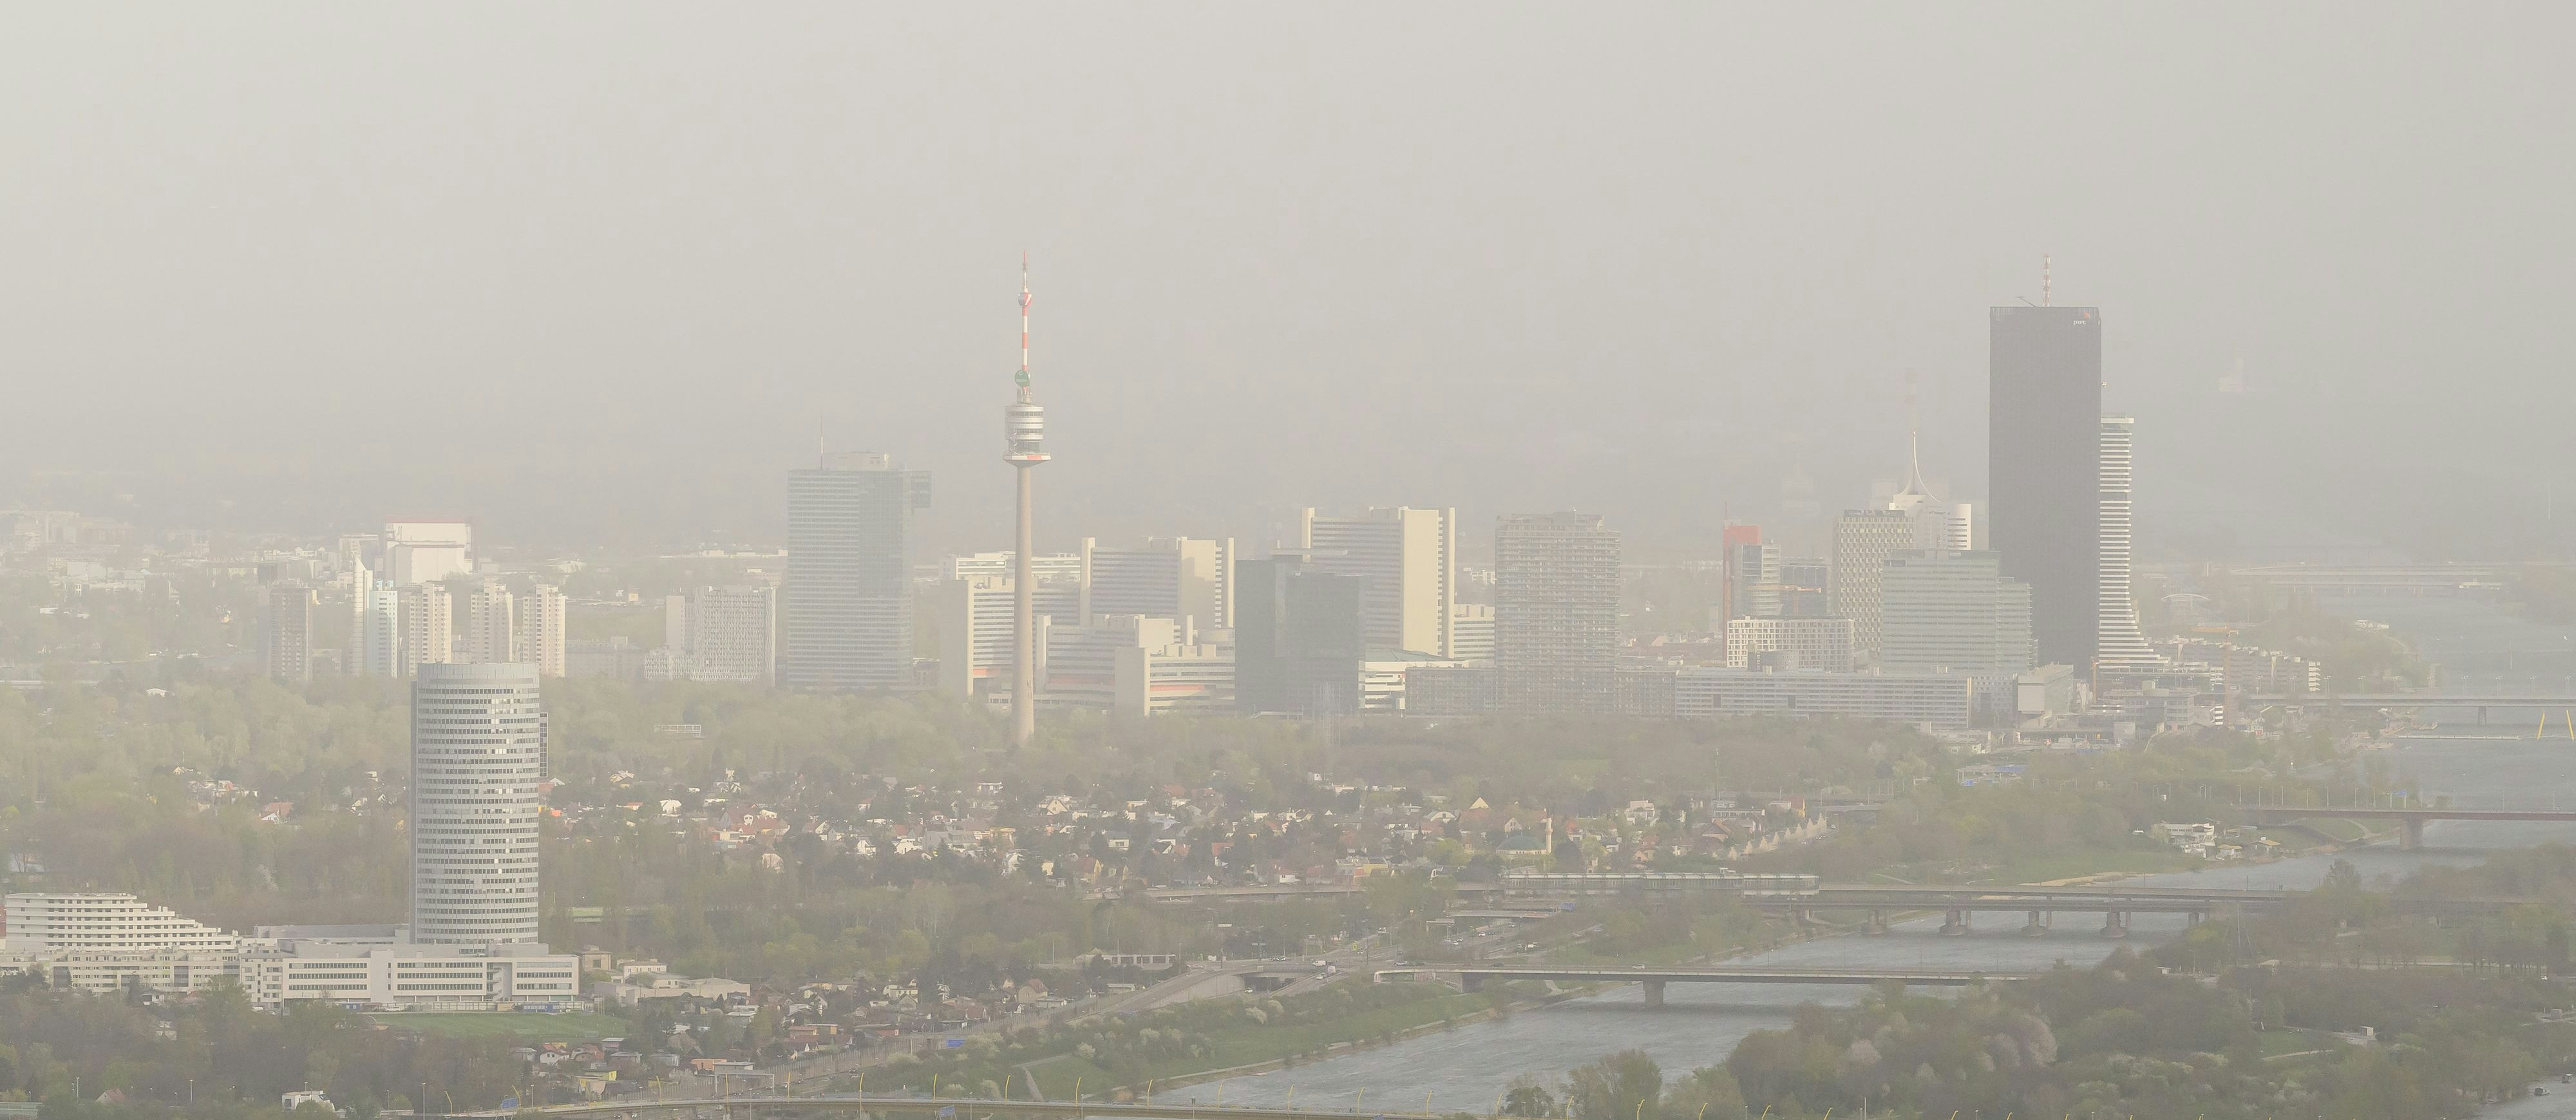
(1467, 1068)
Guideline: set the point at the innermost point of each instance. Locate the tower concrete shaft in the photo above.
(1024, 699)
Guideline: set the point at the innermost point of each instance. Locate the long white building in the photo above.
(63, 922)
(417, 977)
(477, 757)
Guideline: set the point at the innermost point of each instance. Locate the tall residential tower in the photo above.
(1556, 611)
(2118, 641)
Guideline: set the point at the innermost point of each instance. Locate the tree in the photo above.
(1621, 1086)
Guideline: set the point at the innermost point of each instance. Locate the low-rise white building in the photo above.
(418, 977)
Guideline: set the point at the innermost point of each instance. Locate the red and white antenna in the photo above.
(1023, 378)
(2043, 278)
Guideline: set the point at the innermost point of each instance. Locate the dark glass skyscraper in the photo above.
(847, 603)
(2043, 469)
(1298, 638)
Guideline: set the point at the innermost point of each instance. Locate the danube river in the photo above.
(1466, 1069)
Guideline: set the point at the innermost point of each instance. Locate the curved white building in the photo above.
(2117, 640)
(477, 757)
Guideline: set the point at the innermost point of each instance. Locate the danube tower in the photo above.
(1023, 426)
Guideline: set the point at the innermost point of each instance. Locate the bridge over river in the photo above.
(2411, 819)
(1472, 977)
(926, 1108)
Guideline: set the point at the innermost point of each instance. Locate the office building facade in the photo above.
(732, 634)
(1299, 639)
(1819, 644)
(1409, 560)
(1956, 613)
(477, 758)
(1556, 611)
(846, 607)
(1863, 540)
(1471, 632)
(1170, 577)
(2043, 465)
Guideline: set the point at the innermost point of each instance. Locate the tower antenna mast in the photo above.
(2043, 279)
(1023, 378)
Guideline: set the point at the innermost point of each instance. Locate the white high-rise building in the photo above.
(2117, 640)
(973, 617)
(378, 634)
(477, 760)
(540, 631)
(1409, 558)
(427, 617)
(490, 625)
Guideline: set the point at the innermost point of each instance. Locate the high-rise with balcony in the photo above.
(2117, 638)
(425, 615)
(1409, 561)
(491, 624)
(846, 607)
(1556, 611)
(2043, 469)
(286, 632)
(540, 631)
(477, 758)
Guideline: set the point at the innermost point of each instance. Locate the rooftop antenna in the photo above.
(819, 456)
(1913, 439)
(2043, 279)
(1023, 378)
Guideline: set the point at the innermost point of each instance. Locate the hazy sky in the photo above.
(598, 272)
